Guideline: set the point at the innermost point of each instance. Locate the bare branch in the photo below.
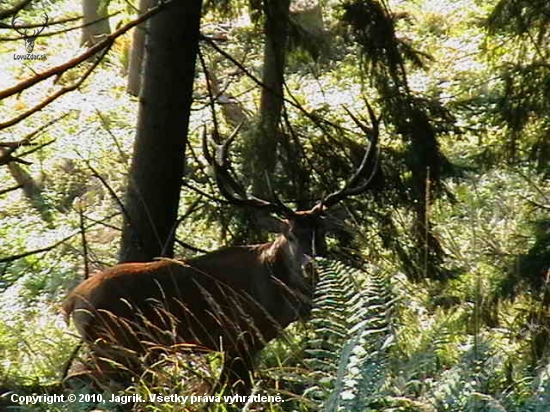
(57, 94)
(105, 43)
(27, 140)
(190, 210)
(7, 157)
(110, 190)
(13, 258)
(36, 251)
(191, 247)
(56, 32)
(80, 208)
(36, 148)
(204, 194)
(14, 10)
(10, 189)
(320, 122)
(535, 203)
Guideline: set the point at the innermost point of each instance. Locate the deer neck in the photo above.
(285, 264)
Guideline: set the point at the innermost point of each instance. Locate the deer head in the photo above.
(28, 36)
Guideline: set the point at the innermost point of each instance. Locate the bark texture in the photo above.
(156, 172)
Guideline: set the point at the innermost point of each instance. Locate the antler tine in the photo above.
(229, 187)
(352, 187)
(374, 131)
(14, 25)
(219, 170)
(224, 157)
(38, 31)
(223, 166)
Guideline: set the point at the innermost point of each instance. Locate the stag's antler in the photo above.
(29, 38)
(370, 160)
(229, 186)
(36, 32)
(235, 193)
(16, 27)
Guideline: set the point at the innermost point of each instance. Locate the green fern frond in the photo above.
(352, 334)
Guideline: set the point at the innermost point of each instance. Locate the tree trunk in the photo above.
(262, 153)
(135, 69)
(156, 172)
(31, 189)
(233, 111)
(96, 23)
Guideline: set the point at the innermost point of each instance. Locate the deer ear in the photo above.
(272, 224)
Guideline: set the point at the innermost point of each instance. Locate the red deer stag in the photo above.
(30, 38)
(234, 300)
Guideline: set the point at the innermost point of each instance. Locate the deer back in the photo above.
(211, 300)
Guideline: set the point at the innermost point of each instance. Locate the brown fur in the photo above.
(235, 299)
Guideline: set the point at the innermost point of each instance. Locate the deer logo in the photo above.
(25, 31)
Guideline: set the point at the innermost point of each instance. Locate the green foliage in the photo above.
(524, 94)
(351, 338)
(521, 18)
(418, 120)
(462, 88)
